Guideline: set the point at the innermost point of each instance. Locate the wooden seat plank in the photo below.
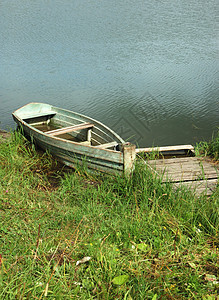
(107, 145)
(69, 129)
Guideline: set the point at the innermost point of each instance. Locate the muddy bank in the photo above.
(4, 134)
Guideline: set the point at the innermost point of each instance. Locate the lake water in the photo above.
(147, 69)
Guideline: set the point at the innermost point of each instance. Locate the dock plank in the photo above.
(197, 173)
(199, 187)
(166, 149)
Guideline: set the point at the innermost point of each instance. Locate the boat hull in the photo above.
(74, 153)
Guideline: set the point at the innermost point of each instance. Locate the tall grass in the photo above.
(210, 148)
(144, 239)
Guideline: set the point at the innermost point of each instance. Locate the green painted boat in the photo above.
(76, 139)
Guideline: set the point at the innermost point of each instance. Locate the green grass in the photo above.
(210, 148)
(145, 240)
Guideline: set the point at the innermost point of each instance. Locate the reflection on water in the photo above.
(148, 70)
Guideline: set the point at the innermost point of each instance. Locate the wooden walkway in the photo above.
(197, 173)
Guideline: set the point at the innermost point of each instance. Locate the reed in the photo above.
(68, 234)
(210, 148)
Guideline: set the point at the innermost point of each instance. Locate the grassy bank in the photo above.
(140, 239)
(210, 148)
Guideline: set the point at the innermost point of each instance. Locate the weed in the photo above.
(210, 148)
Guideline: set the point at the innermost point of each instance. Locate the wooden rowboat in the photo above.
(76, 139)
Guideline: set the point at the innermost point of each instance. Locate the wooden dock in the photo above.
(199, 174)
(196, 173)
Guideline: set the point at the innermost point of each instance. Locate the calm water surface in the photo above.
(147, 69)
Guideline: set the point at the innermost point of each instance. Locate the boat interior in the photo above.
(73, 128)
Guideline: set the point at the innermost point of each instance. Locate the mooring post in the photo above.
(129, 155)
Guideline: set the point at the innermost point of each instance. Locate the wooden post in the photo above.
(89, 135)
(129, 155)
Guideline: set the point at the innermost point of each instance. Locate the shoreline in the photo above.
(5, 134)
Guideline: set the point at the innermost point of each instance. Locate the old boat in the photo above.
(76, 139)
